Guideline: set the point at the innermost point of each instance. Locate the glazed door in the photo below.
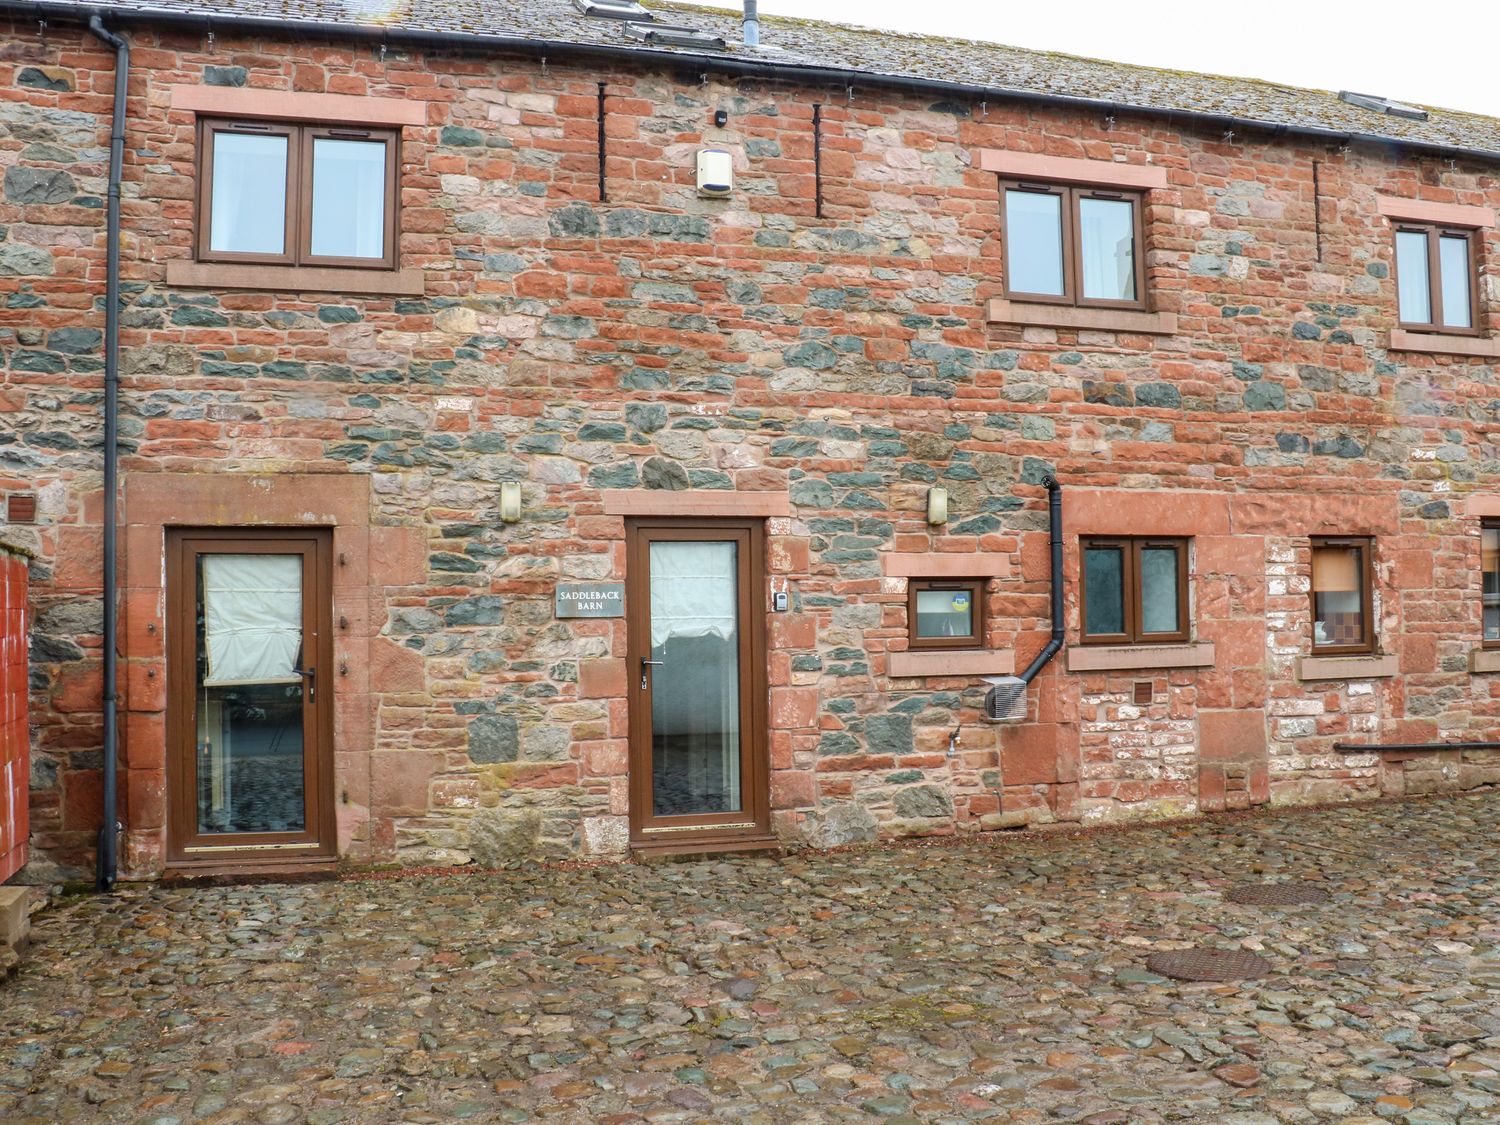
(249, 737)
(697, 680)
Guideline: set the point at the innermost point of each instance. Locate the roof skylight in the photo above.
(614, 10)
(672, 35)
(1383, 105)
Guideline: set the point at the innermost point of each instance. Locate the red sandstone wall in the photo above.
(15, 735)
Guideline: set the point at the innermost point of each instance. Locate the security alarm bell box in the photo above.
(715, 172)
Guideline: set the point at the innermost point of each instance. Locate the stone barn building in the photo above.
(568, 428)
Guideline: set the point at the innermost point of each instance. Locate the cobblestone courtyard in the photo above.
(997, 980)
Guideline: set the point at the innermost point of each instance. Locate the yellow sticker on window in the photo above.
(960, 603)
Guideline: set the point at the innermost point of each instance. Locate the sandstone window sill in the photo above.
(974, 662)
(1484, 660)
(1111, 658)
(1002, 311)
(296, 279)
(1436, 343)
(1348, 667)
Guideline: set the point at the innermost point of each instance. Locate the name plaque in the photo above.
(591, 599)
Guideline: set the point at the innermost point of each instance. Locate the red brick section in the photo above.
(661, 352)
(15, 735)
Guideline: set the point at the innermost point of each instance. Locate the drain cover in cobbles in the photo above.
(1208, 964)
(1275, 894)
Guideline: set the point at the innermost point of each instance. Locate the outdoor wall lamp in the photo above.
(937, 506)
(510, 501)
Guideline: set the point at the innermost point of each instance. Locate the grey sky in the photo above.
(1373, 47)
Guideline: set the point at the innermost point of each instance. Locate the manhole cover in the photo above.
(1276, 894)
(1208, 964)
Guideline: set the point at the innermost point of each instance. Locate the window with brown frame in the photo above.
(1134, 590)
(1073, 245)
(944, 612)
(307, 195)
(1489, 569)
(1437, 280)
(1342, 602)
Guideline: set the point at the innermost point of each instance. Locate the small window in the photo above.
(1489, 567)
(1134, 591)
(1341, 596)
(1436, 277)
(1073, 245)
(943, 613)
(297, 195)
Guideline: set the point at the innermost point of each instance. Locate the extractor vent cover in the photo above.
(1005, 702)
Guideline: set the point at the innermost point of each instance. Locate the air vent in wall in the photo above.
(614, 10)
(1383, 105)
(669, 35)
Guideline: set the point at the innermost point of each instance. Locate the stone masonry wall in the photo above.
(662, 341)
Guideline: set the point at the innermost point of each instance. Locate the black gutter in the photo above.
(1054, 512)
(1375, 747)
(108, 860)
(701, 63)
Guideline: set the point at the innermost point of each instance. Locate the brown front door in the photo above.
(697, 682)
(249, 696)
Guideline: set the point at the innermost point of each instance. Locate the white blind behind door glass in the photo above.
(252, 618)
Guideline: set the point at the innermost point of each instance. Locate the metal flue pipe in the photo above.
(751, 23)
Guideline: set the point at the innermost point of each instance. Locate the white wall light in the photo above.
(937, 506)
(510, 501)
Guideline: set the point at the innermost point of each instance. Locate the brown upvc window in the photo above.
(1437, 278)
(1489, 568)
(310, 195)
(1073, 245)
(1134, 591)
(1342, 599)
(944, 613)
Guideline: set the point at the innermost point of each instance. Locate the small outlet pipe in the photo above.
(107, 861)
(1054, 513)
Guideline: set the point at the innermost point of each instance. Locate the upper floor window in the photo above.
(1436, 278)
(1134, 591)
(945, 613)
(1489, 566)
(308, 195)
(1073, 245)
(1342, 601)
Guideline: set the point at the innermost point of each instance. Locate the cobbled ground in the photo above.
(1001, 979)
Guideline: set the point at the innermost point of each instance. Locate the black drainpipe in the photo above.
(1054, 513)
(108, 861)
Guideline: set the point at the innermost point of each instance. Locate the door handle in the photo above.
(311, 676)
(645, 675)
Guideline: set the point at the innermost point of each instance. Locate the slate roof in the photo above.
(878, 55)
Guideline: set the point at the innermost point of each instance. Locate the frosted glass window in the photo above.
(1034, 243)
(1104, 591)
(1106, 236)
(348, 198)
(248, 209)
(1411, 277)
(945, 613)
(1159, 585)
(1453, 264)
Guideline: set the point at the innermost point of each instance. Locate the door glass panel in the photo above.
(1453, 261)
(1033, 242)
(248, 213)
(695, 687)
(348, 198)
(1106, 229)
(1411, 277)
(1104, 591)
(249, 694)
(1159, 587)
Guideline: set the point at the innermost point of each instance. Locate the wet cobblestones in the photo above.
(999, 980)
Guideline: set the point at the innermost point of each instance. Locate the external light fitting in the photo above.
(937, 506)
(510, 501)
